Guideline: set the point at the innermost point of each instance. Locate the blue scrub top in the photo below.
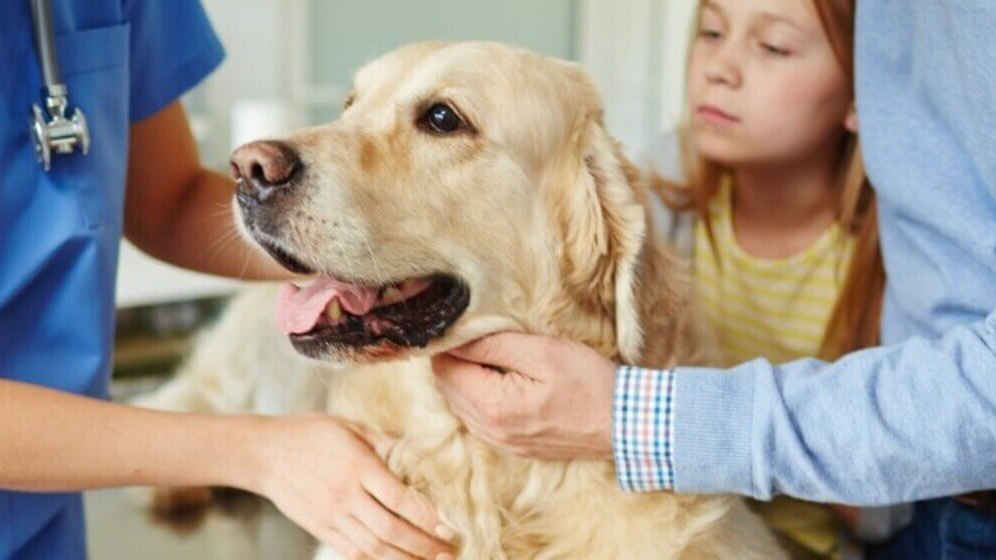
(122, 60)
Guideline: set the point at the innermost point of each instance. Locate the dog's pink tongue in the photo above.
(298, 309)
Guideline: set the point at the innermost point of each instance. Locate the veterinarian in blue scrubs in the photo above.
(121, 61)
(125, 63)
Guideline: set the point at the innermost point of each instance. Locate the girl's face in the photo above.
(764, 84)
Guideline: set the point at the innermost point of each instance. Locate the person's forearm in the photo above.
(881, 426)
(55, 441)
(200, 234)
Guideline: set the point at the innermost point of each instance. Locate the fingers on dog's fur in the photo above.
(391, 528)
(372, 545)
(385, 488)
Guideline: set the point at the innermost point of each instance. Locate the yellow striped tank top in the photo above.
(772, 308)
(777, 309)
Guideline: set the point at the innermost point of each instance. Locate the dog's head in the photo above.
(466, 188)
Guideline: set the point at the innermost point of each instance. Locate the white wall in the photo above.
(635, 50)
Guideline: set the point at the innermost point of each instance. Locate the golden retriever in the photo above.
(467, 188)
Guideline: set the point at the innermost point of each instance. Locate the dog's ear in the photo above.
(603, 227)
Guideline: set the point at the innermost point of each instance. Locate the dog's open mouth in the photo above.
(329, 312)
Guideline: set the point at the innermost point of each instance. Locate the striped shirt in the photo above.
(774, 308)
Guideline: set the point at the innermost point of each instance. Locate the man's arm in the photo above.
(885, 425)
(179, 212)
(880, 426)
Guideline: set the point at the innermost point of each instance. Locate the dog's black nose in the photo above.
(263, 168)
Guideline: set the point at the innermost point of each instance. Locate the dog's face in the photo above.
(461, 192)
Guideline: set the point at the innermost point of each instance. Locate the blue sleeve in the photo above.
(172, 48)
(885, 425)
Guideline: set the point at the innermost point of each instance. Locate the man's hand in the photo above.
(534, 396)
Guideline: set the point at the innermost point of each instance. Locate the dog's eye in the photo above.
(349, 101)
(442, 119)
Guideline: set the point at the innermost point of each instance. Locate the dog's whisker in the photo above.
(378, 271)
(223, 242)
(340, 247)
(245, 264)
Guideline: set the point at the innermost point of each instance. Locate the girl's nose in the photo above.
(723, 68)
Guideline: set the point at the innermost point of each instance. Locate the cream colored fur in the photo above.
(544, 218)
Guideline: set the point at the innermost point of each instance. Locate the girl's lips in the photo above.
(715, 115)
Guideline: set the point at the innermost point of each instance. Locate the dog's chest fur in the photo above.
(510, 507)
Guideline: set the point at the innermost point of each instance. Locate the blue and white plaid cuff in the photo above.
(643, 428)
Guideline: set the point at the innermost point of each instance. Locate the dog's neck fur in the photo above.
(667, 318)
(662, 293)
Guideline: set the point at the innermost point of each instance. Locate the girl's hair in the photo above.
(854, 323)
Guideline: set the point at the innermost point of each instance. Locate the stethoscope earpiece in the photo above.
(61, 134)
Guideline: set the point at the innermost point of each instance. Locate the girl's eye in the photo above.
(710, 34)
(777, 51)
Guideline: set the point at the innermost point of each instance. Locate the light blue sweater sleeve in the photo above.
(901, 423)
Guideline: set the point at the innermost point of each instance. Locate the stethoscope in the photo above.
(61, 134)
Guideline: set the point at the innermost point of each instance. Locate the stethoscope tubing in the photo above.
(41, 12)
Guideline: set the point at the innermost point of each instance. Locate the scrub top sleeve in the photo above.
(173, 47)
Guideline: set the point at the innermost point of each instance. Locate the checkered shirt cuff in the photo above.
(643, 428)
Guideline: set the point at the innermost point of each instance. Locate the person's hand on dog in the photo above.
(531, 395)
(325, 474)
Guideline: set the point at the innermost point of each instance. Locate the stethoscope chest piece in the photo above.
(60, 134)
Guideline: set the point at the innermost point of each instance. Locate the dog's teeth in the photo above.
(392, 294)
(334, 311)
(415, 284)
